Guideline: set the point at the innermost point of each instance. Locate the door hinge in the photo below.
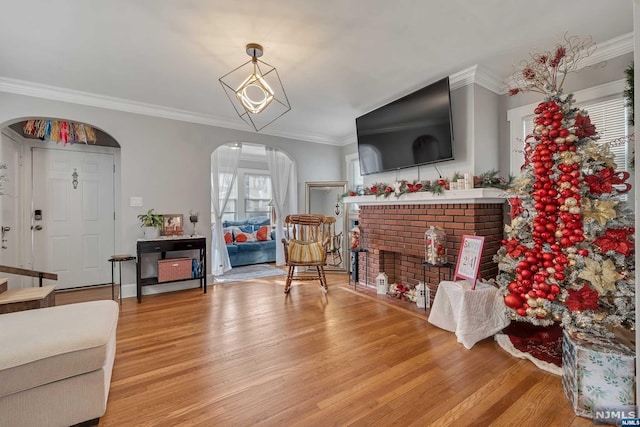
(114, 216)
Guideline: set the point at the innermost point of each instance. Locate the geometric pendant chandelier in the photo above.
(255, 90)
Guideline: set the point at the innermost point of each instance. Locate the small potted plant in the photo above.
(151, 224)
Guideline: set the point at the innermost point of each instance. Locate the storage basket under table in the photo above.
(174, 269)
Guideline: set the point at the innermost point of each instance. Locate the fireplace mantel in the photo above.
(471, 196)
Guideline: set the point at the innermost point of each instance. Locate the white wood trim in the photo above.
(473, 196)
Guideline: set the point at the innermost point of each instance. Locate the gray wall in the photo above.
(167, 162)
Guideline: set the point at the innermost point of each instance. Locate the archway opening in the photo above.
(252, 188)
(59, 203)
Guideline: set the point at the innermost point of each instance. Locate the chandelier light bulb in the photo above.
(254, 93)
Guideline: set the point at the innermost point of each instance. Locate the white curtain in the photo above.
(224, 166)
(282, 173)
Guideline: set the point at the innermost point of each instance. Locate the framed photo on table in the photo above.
(468, 264)
(172, 225)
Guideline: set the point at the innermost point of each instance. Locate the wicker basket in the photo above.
(174, 269)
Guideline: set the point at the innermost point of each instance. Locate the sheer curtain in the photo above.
(224, 166)
(283, 178)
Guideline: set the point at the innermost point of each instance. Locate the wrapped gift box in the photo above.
(597, 373)
(174, 269)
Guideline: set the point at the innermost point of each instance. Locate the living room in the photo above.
(168, 114)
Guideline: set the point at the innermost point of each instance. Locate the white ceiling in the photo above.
(337, 59)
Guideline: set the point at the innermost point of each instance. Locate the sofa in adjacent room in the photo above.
(250, 242)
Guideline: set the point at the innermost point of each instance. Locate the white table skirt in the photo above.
(472, 314)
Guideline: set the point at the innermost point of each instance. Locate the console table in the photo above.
(170, 244)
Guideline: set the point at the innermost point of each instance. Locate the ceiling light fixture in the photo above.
(255, 90)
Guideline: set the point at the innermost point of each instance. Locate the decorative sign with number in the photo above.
(468, 264)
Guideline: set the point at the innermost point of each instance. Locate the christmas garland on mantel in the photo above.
(489, 179)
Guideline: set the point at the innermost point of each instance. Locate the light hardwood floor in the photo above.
(245, 354)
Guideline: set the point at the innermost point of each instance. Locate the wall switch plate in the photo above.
(135, 201)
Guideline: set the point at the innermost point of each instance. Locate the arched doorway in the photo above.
(249, 182)
(60, 203)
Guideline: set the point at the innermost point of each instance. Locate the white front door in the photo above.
(10, 226)
(74, 237)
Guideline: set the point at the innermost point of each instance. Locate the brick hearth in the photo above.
(394, 237)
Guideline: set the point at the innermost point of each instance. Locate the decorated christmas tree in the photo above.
(568, 252)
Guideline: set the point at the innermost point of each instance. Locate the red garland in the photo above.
(516, 206)
(616, 240)
(605, 180)
(583, 127)
(584, 298)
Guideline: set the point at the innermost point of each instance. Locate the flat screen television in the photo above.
(411, 131)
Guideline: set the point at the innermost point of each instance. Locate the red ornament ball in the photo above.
(513, 301)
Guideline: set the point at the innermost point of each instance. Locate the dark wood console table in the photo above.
(170, 244)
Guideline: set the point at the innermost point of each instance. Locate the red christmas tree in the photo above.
(567, 255)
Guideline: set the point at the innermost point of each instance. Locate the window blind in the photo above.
(610, 117)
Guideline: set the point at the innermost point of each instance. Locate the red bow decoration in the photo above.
(604, 181)
(516, 206)
(514, 248)
(584, 298)
(528, 152)
(414, 187)
(583, 127)
(616, 240)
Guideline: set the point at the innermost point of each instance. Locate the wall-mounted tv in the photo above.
(413, 130)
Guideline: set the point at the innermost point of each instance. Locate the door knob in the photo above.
(5, 229)
(36, 227)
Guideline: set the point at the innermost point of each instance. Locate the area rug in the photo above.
(540, 345)
(248, 272)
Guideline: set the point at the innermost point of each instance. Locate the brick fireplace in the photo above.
(393, 233)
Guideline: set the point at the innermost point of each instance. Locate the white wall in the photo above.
(167, 162)
(486, 131)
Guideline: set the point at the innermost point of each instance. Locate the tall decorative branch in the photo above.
(546, 71)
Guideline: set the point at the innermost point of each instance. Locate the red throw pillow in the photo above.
(241, 238)
(263, 234)
(227, 238)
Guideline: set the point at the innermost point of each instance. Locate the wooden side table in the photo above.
(27, 299)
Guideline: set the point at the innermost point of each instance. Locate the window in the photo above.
(353, 171)
(251, 198)
(605, 105)
(257, 195)
(354, 179)
(610, 117)
(230, 211)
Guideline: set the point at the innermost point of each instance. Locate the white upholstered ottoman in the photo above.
(55, 363)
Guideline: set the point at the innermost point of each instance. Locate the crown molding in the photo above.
(21, 87)
(478, 75)
(610, 49)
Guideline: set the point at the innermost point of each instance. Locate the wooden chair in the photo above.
(306, 240)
